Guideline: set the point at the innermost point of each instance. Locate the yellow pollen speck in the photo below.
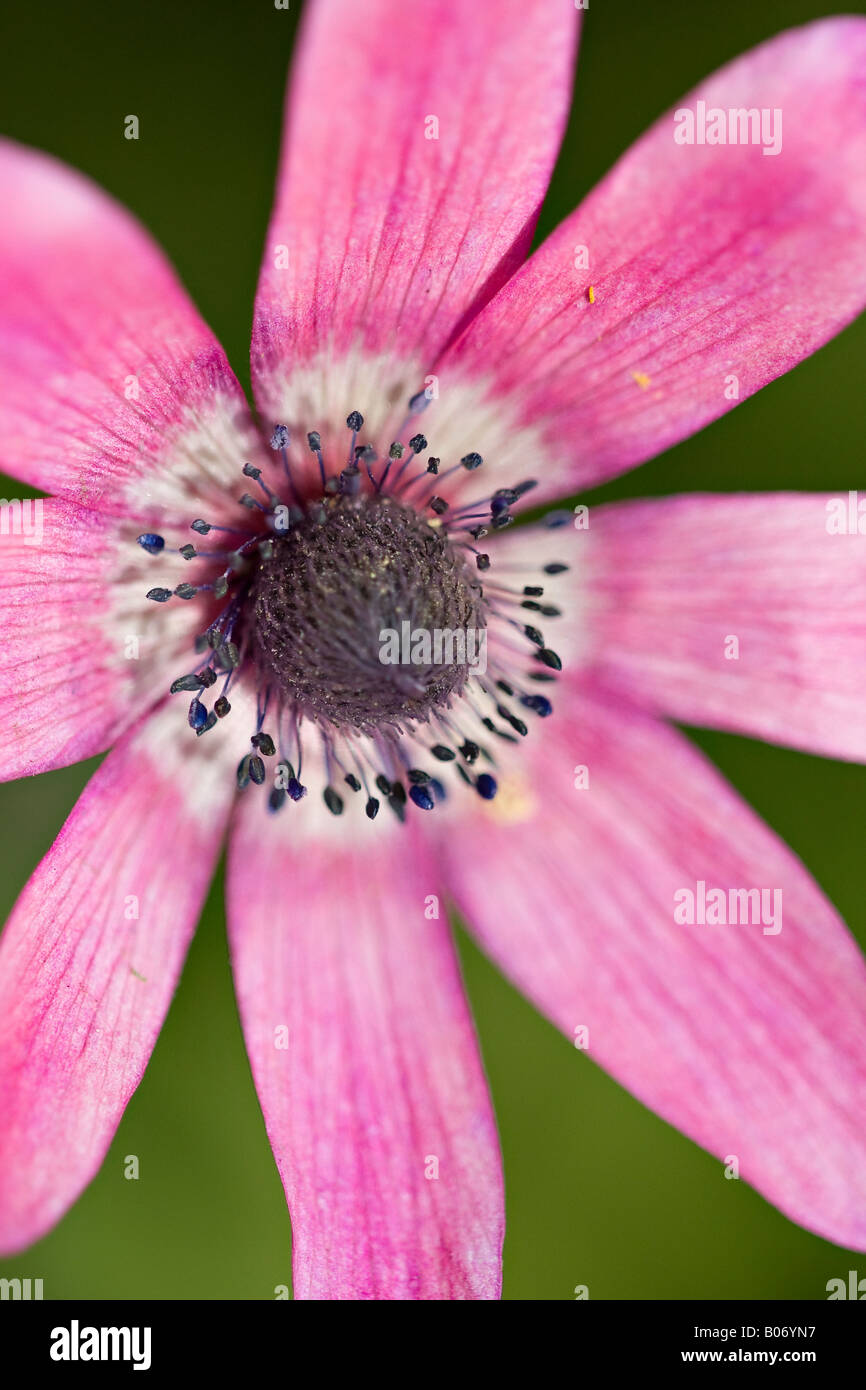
(590, 294)
(514, 800)
(642, 379)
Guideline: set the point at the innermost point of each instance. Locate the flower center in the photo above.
(325, 604)
(357, 607)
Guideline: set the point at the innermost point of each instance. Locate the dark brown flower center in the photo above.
(337, 599)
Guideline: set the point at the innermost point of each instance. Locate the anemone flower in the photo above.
(415, 382)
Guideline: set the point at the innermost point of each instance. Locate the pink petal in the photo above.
(390, 239)
(84, 652)
(741, 612)
(376, 1085)
(113, 392)
(751, 1043)
(90, 958)
(714, 269)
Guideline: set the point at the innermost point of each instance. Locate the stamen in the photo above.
(314, 439)
(354, 420)
(395, 452)
(280, 445)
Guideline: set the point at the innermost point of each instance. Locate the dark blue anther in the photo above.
(197, 714)
(539, 704)
(471, 462)
(158, 595)
(152, 543)
(422, 798)
(314, 440)
(372, 808)
(295, 789)
(208, 724)
(202, 527)
(354, 420)
(257, 771)
(555, 568)
(333, 801)
(486, 786)
(280, 437)
(417, 443)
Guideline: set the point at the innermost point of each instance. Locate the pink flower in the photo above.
(420, 139)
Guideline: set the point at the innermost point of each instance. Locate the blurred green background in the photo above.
(600, 1192)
